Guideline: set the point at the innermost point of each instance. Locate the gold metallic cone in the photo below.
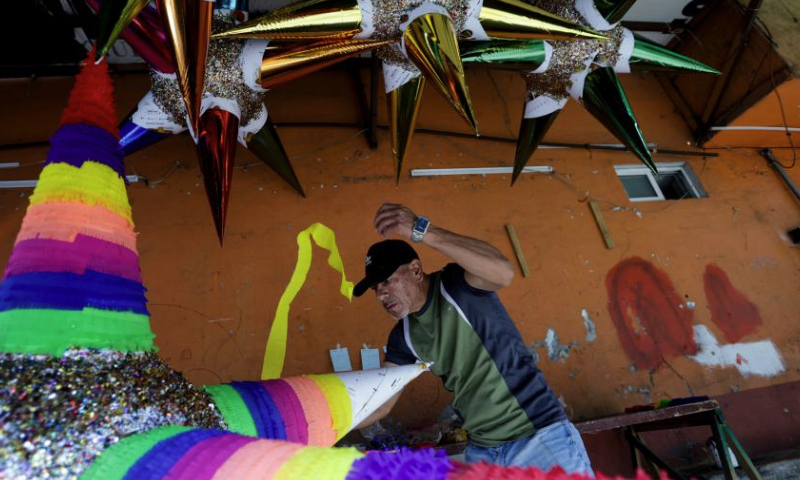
(266, 145)
(531, 133)
(651, 57)
(284, 65)
(404, 105)
(504, 54)
(216, 152)
(605, 99)
(517, 20)
(432, 46)
(304, 20)
(115, 16)
(188, 27)
(613, 10)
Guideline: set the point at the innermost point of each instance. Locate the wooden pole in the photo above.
(512, 234)
(601, 223)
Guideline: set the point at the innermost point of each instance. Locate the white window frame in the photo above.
(666, 167)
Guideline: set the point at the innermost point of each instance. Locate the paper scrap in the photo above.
(370, 359)
(341, 360)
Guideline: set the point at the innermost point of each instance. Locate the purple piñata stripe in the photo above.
(85, 253)
(203, 460)
(424, 464)
(75, 144)
(155, 464)
(291, 410)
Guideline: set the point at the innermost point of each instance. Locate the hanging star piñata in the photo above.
(585, 70)
(227, 106)
(424, 43)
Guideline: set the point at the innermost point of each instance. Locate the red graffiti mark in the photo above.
(731, 310)
(645, 309)
(740, 359)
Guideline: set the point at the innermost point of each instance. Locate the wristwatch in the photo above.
(420, 228)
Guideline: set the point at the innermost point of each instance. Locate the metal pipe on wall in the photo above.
(767, 154)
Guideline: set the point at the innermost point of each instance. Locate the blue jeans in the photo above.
(558, 444)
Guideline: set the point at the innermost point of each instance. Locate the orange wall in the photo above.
(212, 307)
(766, 113)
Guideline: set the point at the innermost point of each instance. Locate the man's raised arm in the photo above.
(486, 268)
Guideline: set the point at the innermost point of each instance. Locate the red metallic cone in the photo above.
(216, 152)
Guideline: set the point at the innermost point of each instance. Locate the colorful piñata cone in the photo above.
(77, 364)
(312, 409)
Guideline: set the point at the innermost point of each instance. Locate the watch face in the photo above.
(421, 225)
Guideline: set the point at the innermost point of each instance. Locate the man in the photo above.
(454, 319)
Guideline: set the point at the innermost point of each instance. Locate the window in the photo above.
(676, 181)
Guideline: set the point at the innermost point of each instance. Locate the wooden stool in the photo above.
(688, 415)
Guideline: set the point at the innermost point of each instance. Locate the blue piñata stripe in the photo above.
(71, 291)
(77, 143)
(266, 415)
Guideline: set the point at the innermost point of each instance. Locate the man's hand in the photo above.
(394, 219)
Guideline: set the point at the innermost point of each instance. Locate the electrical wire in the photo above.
(785, 122)
(770, 55)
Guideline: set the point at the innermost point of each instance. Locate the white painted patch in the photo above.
(755, 358)
(557, 351)
(591, 331)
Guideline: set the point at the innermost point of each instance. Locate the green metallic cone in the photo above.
(605, 99)
(531, 133)
(613, 10)
(651, 57)
(267, 146)
(115, 16)
(505, 54)
(404, 105)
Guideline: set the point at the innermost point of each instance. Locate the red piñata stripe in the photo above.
(92, 98)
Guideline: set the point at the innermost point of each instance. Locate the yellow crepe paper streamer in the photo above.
(92, 184)
(312, 463)
(324, 237)
(338, 400)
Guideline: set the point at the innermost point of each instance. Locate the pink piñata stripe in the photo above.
(294, 420)
(203, 460)
(259, 460)
(316, 410)
(65, 220)
(85, 253)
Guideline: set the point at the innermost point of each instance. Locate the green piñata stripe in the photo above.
(233, 409)
(115, 461)
(50, 332)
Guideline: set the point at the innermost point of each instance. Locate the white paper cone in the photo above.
(370, 389)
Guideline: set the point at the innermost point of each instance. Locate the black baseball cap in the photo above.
(383, 259)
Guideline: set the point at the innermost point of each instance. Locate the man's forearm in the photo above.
(484, 264)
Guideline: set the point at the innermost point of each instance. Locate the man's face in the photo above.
(398, 292)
